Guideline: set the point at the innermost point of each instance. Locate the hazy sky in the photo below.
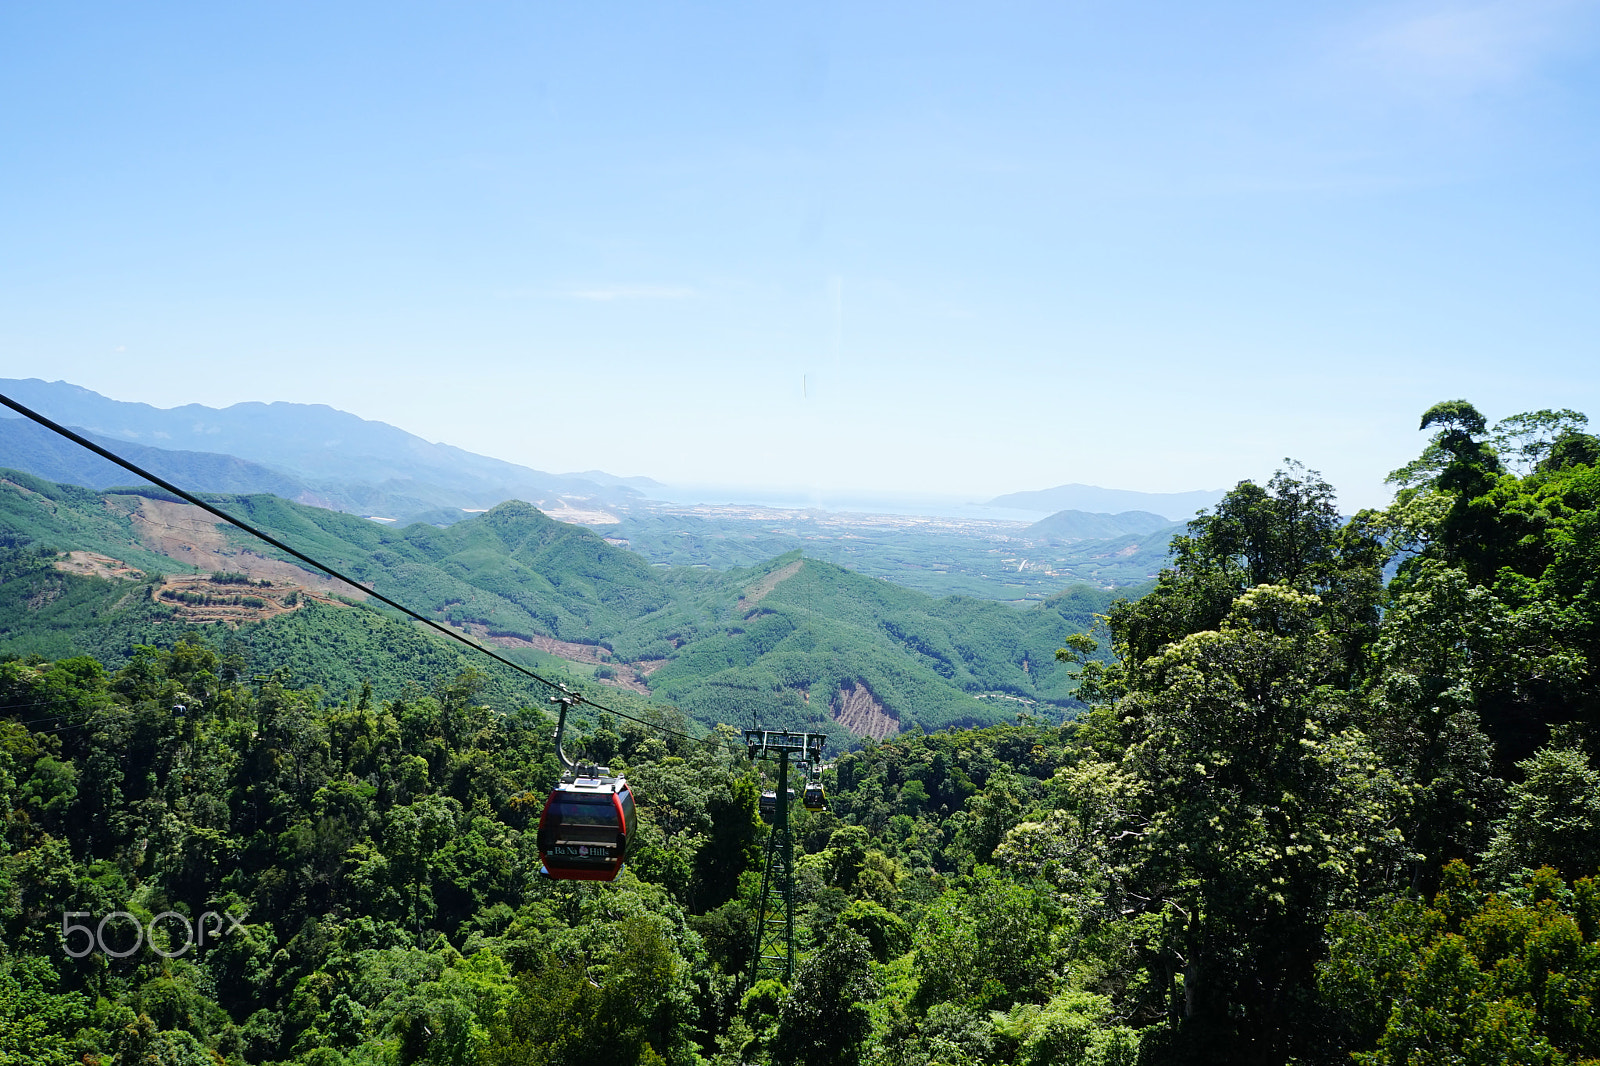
(926, 247)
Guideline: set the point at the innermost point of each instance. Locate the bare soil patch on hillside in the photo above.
(858, 710)
(93, 564)
(563, 649)
(758, 591)
(628, 675)
(183, 531)
(625, 679)
(200, 599)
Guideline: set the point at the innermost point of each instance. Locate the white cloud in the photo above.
(633, 292)
(601, 293)
(1454, 49)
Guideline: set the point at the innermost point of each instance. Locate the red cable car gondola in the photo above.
(587, 821)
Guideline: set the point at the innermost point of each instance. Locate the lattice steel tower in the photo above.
(774, 946)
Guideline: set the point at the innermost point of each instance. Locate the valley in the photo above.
(320, 457)
(992, 559)
(800, 640)
(861, 623)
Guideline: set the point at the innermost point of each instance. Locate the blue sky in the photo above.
(919, 248)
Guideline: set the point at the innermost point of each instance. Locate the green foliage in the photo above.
(1224, 859)
(1456, 416)
(558, 1014)
(1074, 1028)
(1250, 809)
(1552, 817)
(1526, 441)
(1517, 555)
(38, 1021)
(824, 1021)
(1287, 533)
(986, 945)
(885, 932)
(793, 636)
(1476, 977)
(347, 838)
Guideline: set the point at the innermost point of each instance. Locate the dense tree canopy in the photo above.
(1311, 815)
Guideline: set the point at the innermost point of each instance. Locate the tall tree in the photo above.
(1253, 810)
(1287, 533)
(825, 1021)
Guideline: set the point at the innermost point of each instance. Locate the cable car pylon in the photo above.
(774, 941)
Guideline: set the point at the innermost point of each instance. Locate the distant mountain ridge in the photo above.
(1065, 527)
(600, 477)
(25, 445)
(319, 455)
(337, 454)
(1174, 506)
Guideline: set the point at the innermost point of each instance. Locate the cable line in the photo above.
(9, 707)
(575, 841)
(191, 498)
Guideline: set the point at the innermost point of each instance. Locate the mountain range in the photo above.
(308, 452)
(321, 457)
(336, 459)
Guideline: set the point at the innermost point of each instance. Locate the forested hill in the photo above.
(1070, 526)
(808, 643)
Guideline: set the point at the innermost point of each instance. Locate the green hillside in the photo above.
(1069, 526)
(337, 649)
(823, 629)
(790, 641)
(512, 570)
(35, 511)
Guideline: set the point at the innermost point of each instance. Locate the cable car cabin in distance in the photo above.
(769, 804)
(813, 798)
(586, 826)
